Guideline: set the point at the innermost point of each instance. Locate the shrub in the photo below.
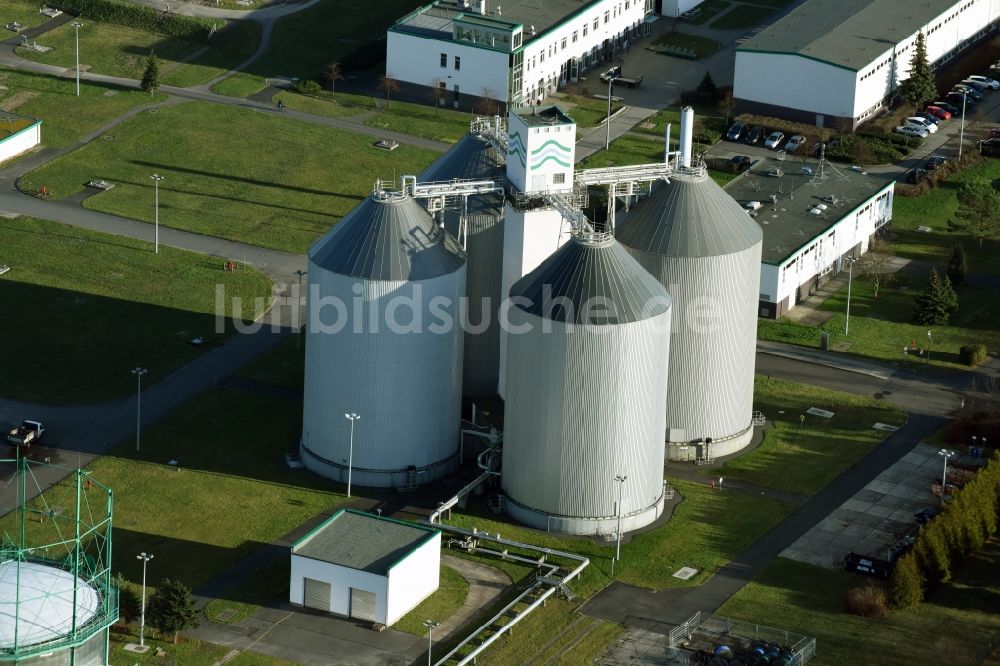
(906, 586)
(125, 13)
(867, 601)
(307, 87)
(972, 355)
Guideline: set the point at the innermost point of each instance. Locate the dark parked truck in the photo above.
(615, 74)
(26, 434)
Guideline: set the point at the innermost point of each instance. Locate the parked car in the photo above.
(995, 133)
(935, 162)
(740, 163)
(774, 140)
(971, 92)
(910, 130)
(945, 106)
(755, 135)
(938, 112)
(737, 131)
(978, 86)
(914, 176)
(917, 121)
(990, 147)
(956, 98)
(992, 84)
(930, 117)
(795, 143)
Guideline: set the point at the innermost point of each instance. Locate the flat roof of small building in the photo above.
(11, 123)
(435, 19)
(846, 33)
(361, 541)
(543, 116)
(787, 224)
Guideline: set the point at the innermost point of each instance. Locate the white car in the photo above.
(909, 130)
(992, 84)
(921, 123)
(774, 140)
(795, 143)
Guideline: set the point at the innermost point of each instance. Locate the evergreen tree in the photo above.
(708, 92)
(937, 552)
(129, 603)
(937, 302)
(920, 87)
(151, 77)
(958, 269)
(906, 588)
(171, 608)
(978, 209)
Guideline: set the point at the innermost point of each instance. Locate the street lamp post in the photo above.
(156, 212)
(352, 417)
(945, 453)
(430, 624)
(77, 25)
(961, 131)
(850, 275)
(145, 557)
(138, 372)
(613, 74)
(621, 479)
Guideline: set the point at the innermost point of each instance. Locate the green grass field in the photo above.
(65, 117)
(282, 366)
(742, 16)
(292, 182)
(958, 624)
(185, 653)
(709, 10)
(441, 605)
(336, 105)
(702, 46)
(118, 50)
(91, 306)
(803, 457)
(24, 12)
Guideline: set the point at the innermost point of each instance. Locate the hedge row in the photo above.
(972, 355)
(966, 522)
(121, 12)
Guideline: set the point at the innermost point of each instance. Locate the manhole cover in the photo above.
(226, 615)
(816, 411)
(685, 573)
(108, 137)
(110, 93)
(153, 111)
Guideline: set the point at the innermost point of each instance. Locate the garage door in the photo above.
(317, 594)
(362, 604)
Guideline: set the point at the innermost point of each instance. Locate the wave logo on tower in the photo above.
(553, 151)
(515, 148)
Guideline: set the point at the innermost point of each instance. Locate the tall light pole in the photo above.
(77, 25)
(145, 557)
(430, 624)
(621, 479)
(961, 131)
(613, 74)
(156, 212)
(352, 417)
(138, 372)
(850, 275)
(945, 453)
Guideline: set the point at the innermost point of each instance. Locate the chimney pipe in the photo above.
(687, 131)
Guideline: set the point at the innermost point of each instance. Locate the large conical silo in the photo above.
(384, 283)
(474, 158)
(700, 244)
(586, 381)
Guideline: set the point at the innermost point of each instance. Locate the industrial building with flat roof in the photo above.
(515, 52)
(831, 61)
(813, 216)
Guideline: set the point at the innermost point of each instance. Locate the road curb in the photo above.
(806, 358)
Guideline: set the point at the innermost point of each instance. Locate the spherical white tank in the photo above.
(586, 381)
(382, 342)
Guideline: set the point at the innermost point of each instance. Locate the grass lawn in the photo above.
(441, 605)
(956, 625)
(24, 12)
(282, 365)
(626, 150)
(336, 105)
(804, 457)
(66, 117)
(186, 653)
(709, 10)
(304, 43)
(742, 16)
(91, 291)
(721, 177)
(291, 183)
(702, 46)
(587, 111)
(227, 49)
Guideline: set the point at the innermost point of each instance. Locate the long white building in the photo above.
(830, 61)
(512, 51)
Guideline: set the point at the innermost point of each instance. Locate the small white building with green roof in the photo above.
(365, 567)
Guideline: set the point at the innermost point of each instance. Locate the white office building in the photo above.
(512, 51)
(833, 60)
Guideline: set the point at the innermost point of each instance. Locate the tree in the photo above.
(388, 85)
(487, 104)
(876, 264)
(937, 302)
(958, 269)
(171, 608)
(707, 92)
(151, 77)
(438, 90)
(920, 87)
(978, 209)
(129, 603)
(334, 72)
(726, 104)
(906, 587)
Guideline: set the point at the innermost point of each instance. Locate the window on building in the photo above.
(607, 17)
(585, 26)
(444, 59)
(458, 63)
(559, 178)
(597, 23)
(562, 45)
(574, 36)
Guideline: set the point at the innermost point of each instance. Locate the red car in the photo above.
(938, 112)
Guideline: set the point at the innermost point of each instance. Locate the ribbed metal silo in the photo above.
(474, 158)
(586, 381)
(382, 282)
(700, 244)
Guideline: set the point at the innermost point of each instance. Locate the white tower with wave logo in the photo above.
(541, 152)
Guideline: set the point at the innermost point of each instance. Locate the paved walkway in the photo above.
(486, 583)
